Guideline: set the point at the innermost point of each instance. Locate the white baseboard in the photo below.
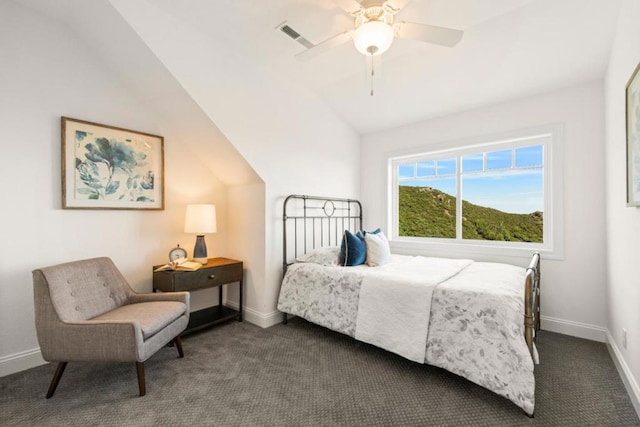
(20, 361)
(263, 320)
(625, 373)
(575, 329)
(257, 318)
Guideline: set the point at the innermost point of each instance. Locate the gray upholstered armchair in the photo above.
(86, 311)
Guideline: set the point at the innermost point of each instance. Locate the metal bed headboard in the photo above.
(310, 222)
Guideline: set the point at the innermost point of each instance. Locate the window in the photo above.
(494, 195)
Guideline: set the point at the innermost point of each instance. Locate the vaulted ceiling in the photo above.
(510, 49)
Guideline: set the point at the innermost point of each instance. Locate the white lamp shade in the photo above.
(200, 219)
(373, 38)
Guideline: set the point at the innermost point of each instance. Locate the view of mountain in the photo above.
(427, 212)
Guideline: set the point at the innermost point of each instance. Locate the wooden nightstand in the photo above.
(216, 273)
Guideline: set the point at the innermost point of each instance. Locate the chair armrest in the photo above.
(183, 297)
(92, 340)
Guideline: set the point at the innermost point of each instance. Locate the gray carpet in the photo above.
(303, 375)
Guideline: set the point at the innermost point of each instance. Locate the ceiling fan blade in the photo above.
(322, 47)
(429, 33)
(349, 6)
(397, 4)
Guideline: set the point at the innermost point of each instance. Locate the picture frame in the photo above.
(107, 167)
(632, 96)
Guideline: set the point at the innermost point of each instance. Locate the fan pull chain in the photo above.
(372, 51)
(372, 74)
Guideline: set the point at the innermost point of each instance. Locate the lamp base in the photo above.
(200, 250)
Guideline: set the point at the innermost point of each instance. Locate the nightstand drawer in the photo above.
(207, 277)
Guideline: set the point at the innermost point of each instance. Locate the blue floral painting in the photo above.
(113, 168)
(110, 169)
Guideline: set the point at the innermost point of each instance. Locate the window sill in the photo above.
(477, 251)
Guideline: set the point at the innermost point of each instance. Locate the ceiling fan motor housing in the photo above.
(376, 11)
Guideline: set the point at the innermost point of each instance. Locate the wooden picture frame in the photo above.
(632, 96)
(107, 167)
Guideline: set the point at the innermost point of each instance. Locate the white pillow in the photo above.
(323, 256)
(378, 251)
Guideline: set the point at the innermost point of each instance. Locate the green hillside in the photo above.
(427, 212)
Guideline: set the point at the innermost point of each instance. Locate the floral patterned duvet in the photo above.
(475, 326)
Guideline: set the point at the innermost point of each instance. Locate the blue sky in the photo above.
(512, 180)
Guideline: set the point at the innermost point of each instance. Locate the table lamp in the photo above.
(200, 219)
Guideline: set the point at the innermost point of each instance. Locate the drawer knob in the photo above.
(213, 276)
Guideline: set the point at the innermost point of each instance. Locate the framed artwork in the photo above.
(633, 138)
(106, 167)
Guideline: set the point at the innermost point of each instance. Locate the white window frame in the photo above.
(553, 225)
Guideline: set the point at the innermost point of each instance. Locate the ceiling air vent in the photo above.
(294, 35)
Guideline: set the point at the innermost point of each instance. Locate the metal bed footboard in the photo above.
(532, 302)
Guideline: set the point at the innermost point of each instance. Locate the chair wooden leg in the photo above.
(56, 378)
(141, 384)
(178, 342)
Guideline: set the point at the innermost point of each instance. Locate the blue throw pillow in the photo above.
(353, 250)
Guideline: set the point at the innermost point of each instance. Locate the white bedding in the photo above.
(477, 331)
(396, 318)
(475, 321)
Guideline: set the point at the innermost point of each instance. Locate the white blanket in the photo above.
(396, 317)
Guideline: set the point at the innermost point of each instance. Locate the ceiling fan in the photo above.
(374, 29)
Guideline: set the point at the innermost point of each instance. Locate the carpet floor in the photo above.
(300, 374)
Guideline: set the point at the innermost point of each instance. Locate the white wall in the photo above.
(291, 139)
(573, 289)
(247, 242)
(47, 72)
(623, 223)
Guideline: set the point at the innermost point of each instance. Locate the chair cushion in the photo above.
(152, 316)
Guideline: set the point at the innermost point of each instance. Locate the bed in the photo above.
(474, 319)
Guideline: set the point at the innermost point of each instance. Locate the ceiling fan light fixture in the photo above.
(373, 38)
